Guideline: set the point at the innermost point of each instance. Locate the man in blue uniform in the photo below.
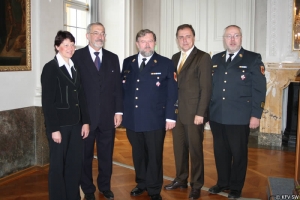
(149, 94)
(237, 102)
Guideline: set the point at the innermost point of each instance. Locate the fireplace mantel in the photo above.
(279, 76)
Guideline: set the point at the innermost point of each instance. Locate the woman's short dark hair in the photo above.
(61, 36)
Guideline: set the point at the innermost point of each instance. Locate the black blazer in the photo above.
(63, 98)
(103, 88)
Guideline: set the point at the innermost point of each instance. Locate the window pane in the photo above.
(81, 37)
(71, 16)
(73, 31)
(81, 19)
(83, 1)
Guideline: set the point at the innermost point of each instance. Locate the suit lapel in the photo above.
(189, 59)
(89, 64)
(135, 64)
(64, 72)
(176, 60)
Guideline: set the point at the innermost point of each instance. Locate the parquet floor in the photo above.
(263, 163)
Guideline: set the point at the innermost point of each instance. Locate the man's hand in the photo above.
(117, 120)
(85, 130)
(170, 125)
(198, 120)
(254, 122)
(56, 136)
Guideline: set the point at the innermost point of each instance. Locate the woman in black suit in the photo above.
(66, 119)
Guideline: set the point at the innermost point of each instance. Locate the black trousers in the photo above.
(147, 150)
(105, 144)
(188, 142)
(65, 164)
(231, 153)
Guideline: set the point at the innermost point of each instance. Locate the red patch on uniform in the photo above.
(262, 70)
(175, 76)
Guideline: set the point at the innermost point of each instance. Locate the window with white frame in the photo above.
(76, 18)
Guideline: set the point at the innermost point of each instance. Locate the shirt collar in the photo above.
(93, 50)
(188, 52)
(234, 54)
(62, 62)
(140, 58)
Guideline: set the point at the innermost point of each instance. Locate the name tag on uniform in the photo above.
(215, 66)
(155, 73)
(243, 67)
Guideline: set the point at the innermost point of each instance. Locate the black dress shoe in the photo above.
(108, 194)
(155, 197)
(194, 194)
(174, 185)
(234, 194)
(137, 191)
(217, 189)
(89, 196)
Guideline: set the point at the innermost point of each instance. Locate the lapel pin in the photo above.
(155, 61)
(223, 55)
(133, 60)
(241, 55)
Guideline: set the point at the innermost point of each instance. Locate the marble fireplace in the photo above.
(279, 76)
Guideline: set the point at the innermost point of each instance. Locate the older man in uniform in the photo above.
(239, 89)
(150, 93)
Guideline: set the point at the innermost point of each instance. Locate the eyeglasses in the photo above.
(98, 34)
(230, 37)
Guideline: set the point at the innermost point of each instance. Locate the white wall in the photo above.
(112, 16)
(22, 89)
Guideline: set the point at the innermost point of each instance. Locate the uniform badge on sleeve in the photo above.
(262, 70)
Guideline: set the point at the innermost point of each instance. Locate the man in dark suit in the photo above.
(194, 90)
(100, 72)
(238, 95)
(150, 93)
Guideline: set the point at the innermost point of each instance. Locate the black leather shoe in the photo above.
(89, 196)
(174, 185)
(137, 191)
(234, 194)
(155, 197)
(194, 194)
(108, 194)
(217, 189)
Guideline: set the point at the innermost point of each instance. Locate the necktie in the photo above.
(229, 59)
(73, 73)
(182, 62)
(97, 61)
(142, 66)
